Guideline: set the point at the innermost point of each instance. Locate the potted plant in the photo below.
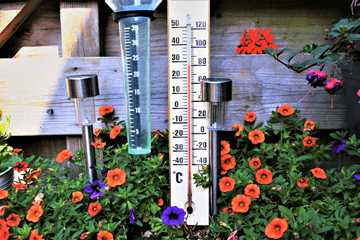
(343, 52)
(8, 157)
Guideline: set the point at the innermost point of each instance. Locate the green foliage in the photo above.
(325, 209)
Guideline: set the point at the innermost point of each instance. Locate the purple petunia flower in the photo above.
(133, 218)
(357, 176)
(94, 189)
(337, 145)
(104, 172)
(173, 216)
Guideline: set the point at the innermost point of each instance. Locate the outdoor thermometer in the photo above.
(188, 62)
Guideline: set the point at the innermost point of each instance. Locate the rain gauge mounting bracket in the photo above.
(189, 62)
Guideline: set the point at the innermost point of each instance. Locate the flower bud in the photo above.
(296, 236)
(311, 225)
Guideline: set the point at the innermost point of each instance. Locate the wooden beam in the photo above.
(29, 87)
(13, 15)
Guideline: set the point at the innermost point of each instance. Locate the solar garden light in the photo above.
(83, 88)
(216, 92)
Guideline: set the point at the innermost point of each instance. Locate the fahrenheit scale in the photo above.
(189, 62)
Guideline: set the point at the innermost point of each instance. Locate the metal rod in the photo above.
(87, 133)
(214, 153)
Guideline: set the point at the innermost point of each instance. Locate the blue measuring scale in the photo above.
(134, 18)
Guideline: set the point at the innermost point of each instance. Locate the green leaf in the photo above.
(320, 50)
(286, 212)
(282, 50)
(331, 58)
(353, 36)
(325, 229)
(291, 55)
(312, 61)
(154, 208)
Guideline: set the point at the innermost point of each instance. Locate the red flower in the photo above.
(238, 127)
(226, 148)
(256, 136)
(105, 110)
(16, 151)
(34, 213)
(241, 203)
(94, 208)
(309, 141)
(105, 235)
(3, 194)
(33, 175)
(285, 110)
(267, 42)
(264, 176)
(309, 124)
(160, 202)
(13, 219)
(303, 182)
(77, 196)
(115, 131)
(231, 212)
(116, 177)
(255, 162)
(227, 162)
(276, 228)
(2, 210)
(21, 166)
(97, 132)
(250, 117)
(318, 173)
(227, 184)
(35, 236)
(98, 144)
(4, 230)
(252, 191)
(65, 154)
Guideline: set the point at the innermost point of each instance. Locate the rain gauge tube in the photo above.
(134, 18)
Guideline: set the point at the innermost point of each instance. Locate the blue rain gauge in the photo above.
(134, 18)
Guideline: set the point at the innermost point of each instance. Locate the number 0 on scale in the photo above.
(189, 62)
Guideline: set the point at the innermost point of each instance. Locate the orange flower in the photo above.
(223, 172)
(105, 109)
(285, 110)
(2, 210)
(160, 202)
(96, 132)
(231, 212)
(227, 162)
(309, 141)
(256, 136)
(227, 184)
(33, 175)
(318, 173)
(250, 116)
(238, 127)
(65, 154)
(94, 208)
(34, 213)
(16, 151)
(309, 124)
(4, 230)
(264, 176)
(276, 228)
(241, 203)
(77, 196)
(13, 219)
(98, 144)
(21, 166)
(3, 194)
(115, 131)
(303, 182)
(226, 148)
(35, 236)
(255, 162)
(105, 235)
(115, 177)
(252, 191)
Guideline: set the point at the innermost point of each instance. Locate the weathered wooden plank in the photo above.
(9, 23)
(260, 84)
(79, 29)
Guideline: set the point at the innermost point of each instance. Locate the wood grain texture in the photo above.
(260, 84)
(79, 29)
(9, 23)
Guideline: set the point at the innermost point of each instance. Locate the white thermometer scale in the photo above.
(189, 62)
